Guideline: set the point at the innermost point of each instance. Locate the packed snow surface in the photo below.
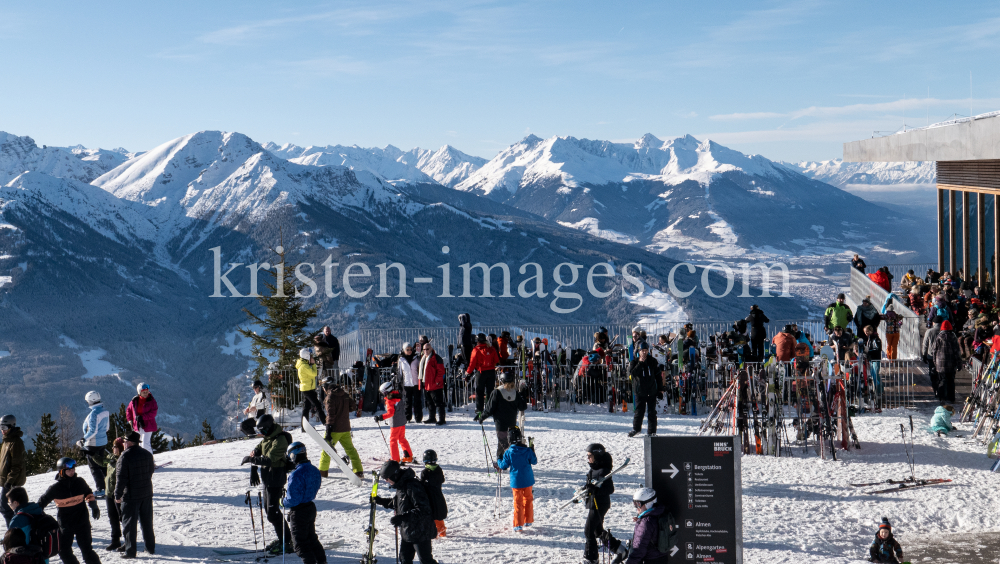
(796, 509)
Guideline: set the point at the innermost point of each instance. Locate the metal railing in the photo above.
(909, 333)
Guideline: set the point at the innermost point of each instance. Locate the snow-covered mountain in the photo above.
(447, 166)
(840, 174)
(19, 154)
(685, 198)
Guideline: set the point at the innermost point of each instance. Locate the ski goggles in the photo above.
(69, 464)
(144, 387)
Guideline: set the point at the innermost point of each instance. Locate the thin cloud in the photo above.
(900, 105)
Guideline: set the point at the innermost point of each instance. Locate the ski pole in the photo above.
(383, 438)
(396, 529)
(486, 447)
(253, 525)
(260, 507)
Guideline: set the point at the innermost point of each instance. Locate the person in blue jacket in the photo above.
(519, 459)
(25, 512)
(303, 485)
(941, 422)
(95, 440)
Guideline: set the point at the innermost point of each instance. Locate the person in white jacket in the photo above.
(95, 439)
(409, 369)
(257, 407)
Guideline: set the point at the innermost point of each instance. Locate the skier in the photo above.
(114, 509)
(141, 414)
(645, 537)
(17, 551)
(397, 423)
(257, 407)
(70, 492)
(303, 485)
(409, 369)
(432, 477)
(26, 514)
(503, 405)
(646, 379)
(941, 421)
(431, 372)
(413, 515)
(519, 458)
(95, 439)
(306, 367)
(465, 336)
(756, 320)
(870, 346)
(784, 344)
(484, 359)
(339, 405)
(269, 455)
(598, 499)
(885, 548)
(13, 465)
(134, 494)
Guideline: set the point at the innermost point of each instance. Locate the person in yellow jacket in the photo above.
(308, 372)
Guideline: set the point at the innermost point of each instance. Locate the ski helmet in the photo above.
(296, 453)
(481, 338)
(8, 422)
(430, 457)
(265, 424)
(92, 397)
(390, 470)
(305, 354)
(329, 382)
(595, 449)
(514, 435)
(387, 387)
(140, 387)
(506, 377)
(644, 496)
(63, 464)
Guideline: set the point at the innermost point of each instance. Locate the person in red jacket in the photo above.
(485, 360)
(784, 344)
(397, 423)
(431, 374)
(504, 342)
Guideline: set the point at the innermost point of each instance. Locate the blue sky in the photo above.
(789, 80)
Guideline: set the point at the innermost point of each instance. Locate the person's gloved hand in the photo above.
(79, 445)
(531, 443)
(378, 418)
(95, 511)
(396, 520)
(479, 417)
(254, 477)
(245, 460)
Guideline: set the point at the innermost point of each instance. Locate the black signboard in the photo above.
(698, 478)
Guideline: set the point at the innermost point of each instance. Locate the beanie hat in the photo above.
(406, 346)
(946, 325)
(885, 524)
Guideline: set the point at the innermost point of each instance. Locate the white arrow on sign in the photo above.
(674, 550)
(673, 471)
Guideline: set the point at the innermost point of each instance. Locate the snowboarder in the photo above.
(432, 477)
(134, 494)
(339, 405)
(13, 464)
(885, 548)
(141, 414)
(519, 458)
(941, 421)
(95, 439)
(397, 423)
(484, 359)
(598, 499)
(307, 371)
(645, 537)
(114, 509)
(17, 551)
(645, 378)
(303, 485)
(70, 492)
(269, 455)
(504, 405)
(413, 514)
(257, 407)
(431, 371)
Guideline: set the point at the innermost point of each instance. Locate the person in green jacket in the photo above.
(308, 373)
(269, 455)
(114, 509)
(838, 314)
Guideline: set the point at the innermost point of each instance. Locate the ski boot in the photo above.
(632, 433)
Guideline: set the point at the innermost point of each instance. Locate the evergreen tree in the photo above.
(117, 425)
(46, 444)
(197, 440)
(284, 321)
(159, 442)
(177, 443)
(206, 431)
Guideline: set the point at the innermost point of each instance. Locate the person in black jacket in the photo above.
(330, 352)
(756, 320)
(504, 405)
(465, 336)
(645, 376)
(598, 498)
(69, 493)
(432, 477)
(413, 517)
(134, 492)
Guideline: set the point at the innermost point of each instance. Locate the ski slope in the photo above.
(795, 509)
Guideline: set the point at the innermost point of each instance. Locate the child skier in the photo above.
(433, 478)
(941, 422)
(519, 459)
(645, 537)
(885, 548)
(303, 485)
(70, 494)
(413, 515)
(503, 405)
(397, 423)
(598, 498)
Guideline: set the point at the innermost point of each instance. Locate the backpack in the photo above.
(668, 533)
(44, 533)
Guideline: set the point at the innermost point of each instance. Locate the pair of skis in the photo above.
(582, 491)
(906, 483)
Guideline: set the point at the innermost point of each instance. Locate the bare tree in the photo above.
(67, 431)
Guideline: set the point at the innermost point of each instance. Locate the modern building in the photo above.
(967, 154)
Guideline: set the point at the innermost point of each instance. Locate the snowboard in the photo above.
(242, 551)
(334, 455)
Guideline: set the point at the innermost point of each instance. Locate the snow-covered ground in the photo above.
(798, 509)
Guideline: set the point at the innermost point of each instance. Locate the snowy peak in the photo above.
(19, 154)
(447, 166)
(840, 174)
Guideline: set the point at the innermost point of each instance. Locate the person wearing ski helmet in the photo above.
(647, 381)
(95, 439)
(308, 373)
(598, 498)
(431, 372)
(13, 464)
(141, 415)
(432, 477)
(339, 405)
(646, 536)
(397, 423)
(269, 455)
(519, 458)
(503, 405)
(72, 495)
(885, 548)
(303, 485)
(485, 360)
(413, 514)
(134, 493)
